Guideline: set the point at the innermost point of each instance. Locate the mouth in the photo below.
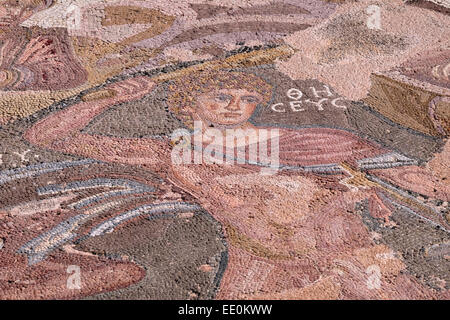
(231, 114)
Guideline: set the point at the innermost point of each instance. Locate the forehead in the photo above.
(232, 91)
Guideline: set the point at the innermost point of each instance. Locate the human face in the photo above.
(227, 106)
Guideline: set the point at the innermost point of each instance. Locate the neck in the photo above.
(205, 125)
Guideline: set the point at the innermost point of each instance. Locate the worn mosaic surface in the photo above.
(354, 94)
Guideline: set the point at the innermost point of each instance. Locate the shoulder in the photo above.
(315, 135)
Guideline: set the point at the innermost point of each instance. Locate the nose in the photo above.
(233, 105)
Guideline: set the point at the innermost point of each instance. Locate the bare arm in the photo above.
(417, 179)
(61, 130)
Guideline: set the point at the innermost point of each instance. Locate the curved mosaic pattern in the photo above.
(349, 100)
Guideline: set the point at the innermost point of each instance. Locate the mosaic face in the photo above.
(227, 106)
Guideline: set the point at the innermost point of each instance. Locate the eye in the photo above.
(249, 99)
(222, 98)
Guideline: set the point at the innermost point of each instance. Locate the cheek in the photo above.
(212, 106)
(249, 108)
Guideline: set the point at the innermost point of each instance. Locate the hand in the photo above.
(131, 89)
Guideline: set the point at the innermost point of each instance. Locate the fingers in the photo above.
(135, 86)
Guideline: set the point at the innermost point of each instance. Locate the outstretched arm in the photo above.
(416, 179)
(61, 131)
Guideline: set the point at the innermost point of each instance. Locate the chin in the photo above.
(231, 124)
(233, 121)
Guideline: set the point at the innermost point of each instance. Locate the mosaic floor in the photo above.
(194, 149)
